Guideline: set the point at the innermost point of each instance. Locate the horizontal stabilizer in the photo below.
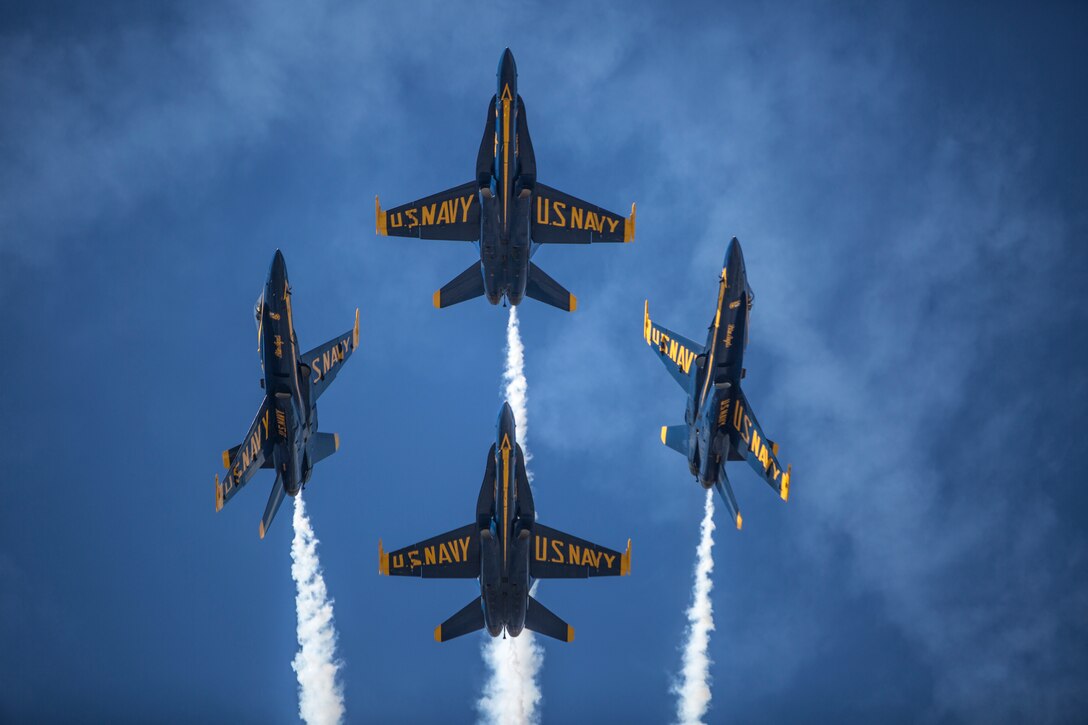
(324, 445)
(557, 555)
(540, 619)
(726, 492)
(543, 288)
(279, 492)
(465, 286)
(469, 619)
(676, 437)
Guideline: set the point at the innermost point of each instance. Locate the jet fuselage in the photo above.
(504, 542)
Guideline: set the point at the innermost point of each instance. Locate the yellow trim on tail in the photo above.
(625, 560)
(570, 633)
(629, 226)
(437, 299)
(573, 303)
(379, 218)
(383, 560)
(438, 633)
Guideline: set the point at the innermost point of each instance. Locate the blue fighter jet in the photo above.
(719, 424)
(506, 549)
(507, 211)
(284, 435)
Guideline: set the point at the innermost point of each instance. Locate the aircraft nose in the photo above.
(506, 418)
(507, 67)
(734, 257)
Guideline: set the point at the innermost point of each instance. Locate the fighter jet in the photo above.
(506, 549)
(284, 433)
(506, 211)
(719, 424)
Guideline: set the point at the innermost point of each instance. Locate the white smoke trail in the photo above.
(511, 694)
(320, 699)
(694, 687)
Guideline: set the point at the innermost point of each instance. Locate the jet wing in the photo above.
(749, 442)
(325, 361)
(557, 555)
(676, 351)
(243, 460)
(452, 555)
(560, 218)
(453, 214)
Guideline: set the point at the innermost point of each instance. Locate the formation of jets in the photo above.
(509, 215)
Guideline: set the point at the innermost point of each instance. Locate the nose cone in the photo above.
(508, 74)
(278, 270)
(506, 425)
(734, 261)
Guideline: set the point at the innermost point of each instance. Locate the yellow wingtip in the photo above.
(383, 560)
(785, 491)
(437, 299)
(740, 521)
(336, 441)
(379, 218)
(625, 560)
(261, 530)
(664, 433)
(570, 633)
(355, 331)
(647, 326)
(218, 494)
(573, 303)
(438, 633)
(226, 459)
(629, 226)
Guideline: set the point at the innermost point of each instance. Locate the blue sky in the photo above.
(908, 184)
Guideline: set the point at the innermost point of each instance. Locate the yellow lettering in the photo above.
(560, 220)
(398, 561)
(574, 554)
(428, 555)
(540, 548)
(395, 220)
(729, 336)
(543, 210)
(673, 349)
(754, 443)
(592, 222)
(413, 558)
(612, 224)
(413, 217)
(466, 202)
(738, 410)
(428, 214)
(587, 557)
(609, 558)
(557, 551)
(575, 218)
(464, 548)
(443, 554)
(763, 457)
(444, 213)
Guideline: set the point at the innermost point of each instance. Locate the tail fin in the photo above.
(540, 619)
(323, 446)
(466, 621)
(465, 286)
(543, 288)
(676, 437)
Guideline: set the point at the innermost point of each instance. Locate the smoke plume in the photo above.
(320, 699)
(511, 695)
(693, 689)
